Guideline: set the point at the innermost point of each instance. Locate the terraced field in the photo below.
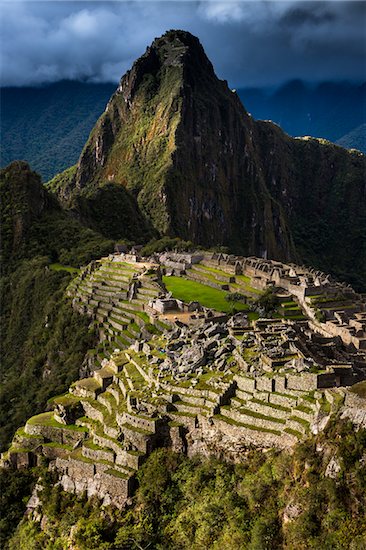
(193, 387)
(113, 294)
(110, 422)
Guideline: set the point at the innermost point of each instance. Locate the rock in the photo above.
(34, 502)
(174, 346)
(215, 329)
(291, 512)
(333, 468)
(356, 416)
(319, 423)
(212, 343)
(67, 483)
(239, 320)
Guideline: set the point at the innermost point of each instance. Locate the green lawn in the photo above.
(189, 291)
(243, 283)
(243, 278)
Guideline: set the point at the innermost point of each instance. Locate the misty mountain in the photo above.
(328, 110)
(48, 125)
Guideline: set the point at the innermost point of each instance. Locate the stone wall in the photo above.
(78, 477)
(227, 442)
(59, 435)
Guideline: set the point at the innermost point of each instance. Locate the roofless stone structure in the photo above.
(176, 374)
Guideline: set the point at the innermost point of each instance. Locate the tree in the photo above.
(267, 301)
(233, 298)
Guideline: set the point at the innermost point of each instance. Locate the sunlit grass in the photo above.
(191, 291)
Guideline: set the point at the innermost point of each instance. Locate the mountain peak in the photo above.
(176, 49)
(184, 150)
(175, 38)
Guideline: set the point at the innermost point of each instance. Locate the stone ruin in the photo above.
(216, 385)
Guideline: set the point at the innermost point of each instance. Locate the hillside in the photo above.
(327, 110)
(272, 501)
(355, 139)
(178, 140)
(167, 434)
(41, 337)
(49, 125)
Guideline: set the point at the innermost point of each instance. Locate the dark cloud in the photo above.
(295, 17)
(249, 42)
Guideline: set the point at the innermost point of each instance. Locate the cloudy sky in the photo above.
(250, 42)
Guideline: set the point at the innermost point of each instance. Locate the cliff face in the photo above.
(180, 142)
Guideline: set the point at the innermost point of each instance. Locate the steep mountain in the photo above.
(177, 139)
(355, 139)
(48, 125)
(327, 110)
(43, 341)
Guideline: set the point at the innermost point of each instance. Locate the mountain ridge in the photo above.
(48, 125)
(222, 178)
(327, 110)
(180, 142)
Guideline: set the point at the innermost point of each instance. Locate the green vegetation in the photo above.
(113, 211)
(68, 268)
(215, 270)
(320, 316)
(236, 297)
(61, 180)
(319, 233)
(16, 487)
(44, 419)
(33, 224)
(166, 243)
(41, 334)
(192, 291)
(268, 301)
(244, 283)
(67, 400)
(47, 419)
(48, 125)
(43, 340)
(205, 503)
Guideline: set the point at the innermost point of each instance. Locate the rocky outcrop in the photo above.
(180, 141)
